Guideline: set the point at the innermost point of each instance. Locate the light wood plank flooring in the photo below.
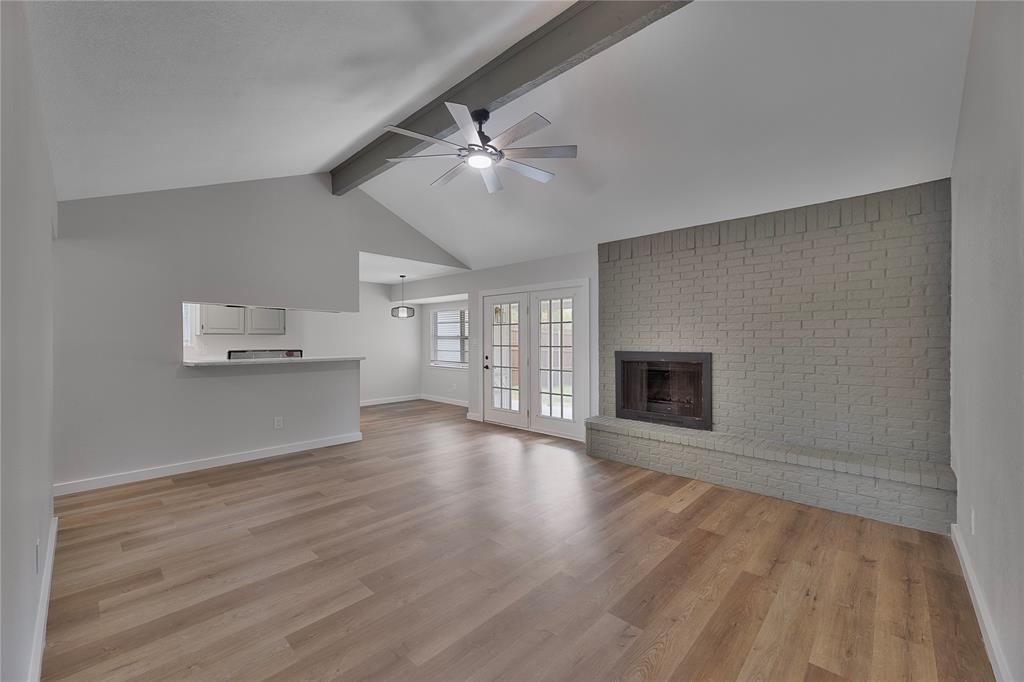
(444, 549)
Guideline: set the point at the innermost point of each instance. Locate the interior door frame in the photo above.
(584, 283)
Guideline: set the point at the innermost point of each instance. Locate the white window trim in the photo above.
(431, 362)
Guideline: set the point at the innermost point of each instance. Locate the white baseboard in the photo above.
(205, 463)
(35, 665)
(475, 416)
(995, 652)
(418, 396)
(442, 399)
(384, 401)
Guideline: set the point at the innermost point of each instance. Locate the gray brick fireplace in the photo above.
(829, 329)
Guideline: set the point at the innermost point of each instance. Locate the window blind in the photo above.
(450, 338)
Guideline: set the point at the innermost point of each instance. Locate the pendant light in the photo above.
(403, 311)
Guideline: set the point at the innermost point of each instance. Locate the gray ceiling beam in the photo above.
(575, 35)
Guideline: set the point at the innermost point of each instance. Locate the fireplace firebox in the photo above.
(666, 388)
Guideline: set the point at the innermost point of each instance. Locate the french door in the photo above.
(536, 360)
(505, 390)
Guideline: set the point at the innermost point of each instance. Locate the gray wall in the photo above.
(124, 264)
(988, 328)
(828, 324)
(29, 211)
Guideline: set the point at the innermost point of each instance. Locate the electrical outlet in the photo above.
(278, 422)
(972, 519)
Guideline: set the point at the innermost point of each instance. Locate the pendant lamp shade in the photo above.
(403, 311)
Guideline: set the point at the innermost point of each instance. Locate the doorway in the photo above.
(536, 360)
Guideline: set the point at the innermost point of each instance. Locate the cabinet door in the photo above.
(221, 319)
(265, 321)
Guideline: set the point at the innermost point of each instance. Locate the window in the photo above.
(449, 338)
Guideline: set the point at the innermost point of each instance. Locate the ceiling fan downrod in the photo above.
(480, 117)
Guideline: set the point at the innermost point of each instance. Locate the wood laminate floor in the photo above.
(444, 549)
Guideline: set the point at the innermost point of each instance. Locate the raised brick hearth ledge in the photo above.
(911, 493)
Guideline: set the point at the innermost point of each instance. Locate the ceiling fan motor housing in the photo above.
(480, 117)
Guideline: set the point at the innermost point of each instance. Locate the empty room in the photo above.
(512, 340)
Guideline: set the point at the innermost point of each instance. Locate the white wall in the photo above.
(124, 264)
(987, 420)
(446, 384)
(391, 346)
(28, 214)
(548, 270)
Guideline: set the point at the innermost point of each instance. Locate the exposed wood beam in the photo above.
(575, 35)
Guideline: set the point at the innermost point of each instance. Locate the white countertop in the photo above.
(271, 361)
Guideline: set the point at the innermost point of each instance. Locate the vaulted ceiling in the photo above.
(144, 96)
(721, 109)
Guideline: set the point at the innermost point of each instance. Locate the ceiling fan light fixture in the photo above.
(479, 160)
(485, 153)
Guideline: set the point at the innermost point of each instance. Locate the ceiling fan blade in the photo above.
(460, 112)
(565, 151)
(490, 179)
(527, 126)
(425, 156)
(528, 171)
(421, 136)
(449, 175)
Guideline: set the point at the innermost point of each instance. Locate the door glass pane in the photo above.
(555, 341)
(505, 357)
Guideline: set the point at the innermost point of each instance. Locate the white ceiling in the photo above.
(720, 110)
(381, 269)
(142, 96)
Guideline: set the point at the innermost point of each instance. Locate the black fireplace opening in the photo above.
(667, 388)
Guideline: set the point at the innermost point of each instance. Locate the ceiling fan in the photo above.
(484, 153)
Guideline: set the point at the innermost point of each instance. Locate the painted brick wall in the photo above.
(828, 324)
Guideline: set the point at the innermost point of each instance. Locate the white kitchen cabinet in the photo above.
(221, 319)
(265, 321)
